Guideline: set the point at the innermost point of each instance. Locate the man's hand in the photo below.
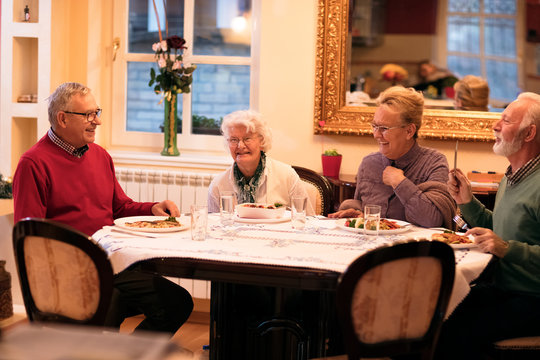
(392, 176)
(459, 187)
(166, 208)
(347, 213)
(488, 241)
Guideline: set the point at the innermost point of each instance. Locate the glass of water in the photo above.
(199, 220)
(226, 208)
(298, 210)
(372, 219)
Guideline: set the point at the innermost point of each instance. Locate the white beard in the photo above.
(505, 148)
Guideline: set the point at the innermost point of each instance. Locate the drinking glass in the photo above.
(199, 220)
(226, 208)
(298, 210)
(372, 218)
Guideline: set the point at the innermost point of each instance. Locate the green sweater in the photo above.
(516, 219)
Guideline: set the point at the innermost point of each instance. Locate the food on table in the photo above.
(384, 224)
(262, 206)
(451, 238)
(260, 211)
(170, 222)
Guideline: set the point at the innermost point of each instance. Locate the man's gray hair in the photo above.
(252, 121)
(61, 97)
(532, 115)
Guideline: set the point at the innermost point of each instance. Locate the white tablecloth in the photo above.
(320, 246)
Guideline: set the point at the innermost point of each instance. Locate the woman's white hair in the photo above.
(252, 121)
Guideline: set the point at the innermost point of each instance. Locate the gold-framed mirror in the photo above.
(333, 116)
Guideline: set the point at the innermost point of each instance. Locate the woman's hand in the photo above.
(348, 213)
(459, 187)
(392, 176)
(166, 208)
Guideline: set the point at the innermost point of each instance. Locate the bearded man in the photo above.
(509, 305)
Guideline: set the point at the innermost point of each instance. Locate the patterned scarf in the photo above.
(248, 189)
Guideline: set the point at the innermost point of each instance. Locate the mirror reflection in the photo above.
(431, 44)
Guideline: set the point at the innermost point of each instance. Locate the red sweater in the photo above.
(80, 192)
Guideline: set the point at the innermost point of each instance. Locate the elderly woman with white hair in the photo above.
(254, 177)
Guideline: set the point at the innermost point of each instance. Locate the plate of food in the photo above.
(284, 218)
(386, 226)
(455, 240)
(154, 224)
(260, 211)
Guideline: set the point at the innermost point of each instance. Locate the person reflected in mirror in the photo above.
(67, 178)
(508, 306)
(407, 180)
(435, 82)
(471, 94)
(254, 177)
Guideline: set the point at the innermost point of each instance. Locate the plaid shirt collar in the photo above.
(70, 149)
(522, 172)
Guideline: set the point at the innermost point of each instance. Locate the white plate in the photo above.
(184, 224)
(286, 217)
(405, 226)
(463, 246)
(247, 212)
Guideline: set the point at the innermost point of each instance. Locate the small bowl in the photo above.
(259, 211)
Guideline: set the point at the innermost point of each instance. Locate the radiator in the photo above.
(184, 188)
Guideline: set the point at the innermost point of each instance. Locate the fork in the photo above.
(462, 225)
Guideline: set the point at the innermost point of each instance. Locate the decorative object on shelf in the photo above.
(6, 302)
(26, 13)
(331, 163)
(6, 191)
(394, 73)
(173, 79)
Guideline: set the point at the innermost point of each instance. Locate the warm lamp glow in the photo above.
(238, 24)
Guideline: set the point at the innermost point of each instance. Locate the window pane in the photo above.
(142, 27)
(463, 34)
(500, 7)
(222, 27)
(500, 37)
(461, 66)
(502, 78)
(143, 111)
(217, 91)
(464, 6)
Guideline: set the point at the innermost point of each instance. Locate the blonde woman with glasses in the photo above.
(407, 180)
(254, 177)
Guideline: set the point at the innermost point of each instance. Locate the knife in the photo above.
(455, 156)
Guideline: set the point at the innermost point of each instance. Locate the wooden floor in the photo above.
(191, 337)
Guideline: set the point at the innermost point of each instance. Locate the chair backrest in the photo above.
(392, 300)
(65, 276)
(319, 189)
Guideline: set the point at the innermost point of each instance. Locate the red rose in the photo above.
(176, 42)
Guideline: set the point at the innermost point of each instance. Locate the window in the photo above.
(481, 39)
(218, 37)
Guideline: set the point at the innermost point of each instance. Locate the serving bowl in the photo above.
(259, 211)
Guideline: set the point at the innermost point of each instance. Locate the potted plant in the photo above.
(331, 163)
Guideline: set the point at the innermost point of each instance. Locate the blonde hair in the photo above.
(473, 92)
(61, 97)
(252, 121)
(408, 102)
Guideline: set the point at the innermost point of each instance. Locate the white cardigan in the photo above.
(279, 182)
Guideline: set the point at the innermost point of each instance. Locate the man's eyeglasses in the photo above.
(236, 141)
(90, 116)
(384, 129)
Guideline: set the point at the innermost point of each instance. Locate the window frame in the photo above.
(519, 42)
(146, 141)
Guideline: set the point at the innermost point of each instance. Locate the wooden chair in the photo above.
(65, 277)
(517, 348)
(392, 300)
(319, 190)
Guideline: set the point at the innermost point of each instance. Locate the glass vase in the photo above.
(170, 127)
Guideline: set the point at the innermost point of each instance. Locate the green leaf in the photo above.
(152, 73)
(157, 89)
(151, 82)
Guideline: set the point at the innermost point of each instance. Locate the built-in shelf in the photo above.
(18, 11)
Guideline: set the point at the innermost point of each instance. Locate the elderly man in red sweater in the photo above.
(67, 178)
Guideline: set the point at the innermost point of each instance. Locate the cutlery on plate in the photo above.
(134, 233)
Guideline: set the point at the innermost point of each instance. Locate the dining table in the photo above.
(272, 286)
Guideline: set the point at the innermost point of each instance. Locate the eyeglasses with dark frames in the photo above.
(90, 116)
